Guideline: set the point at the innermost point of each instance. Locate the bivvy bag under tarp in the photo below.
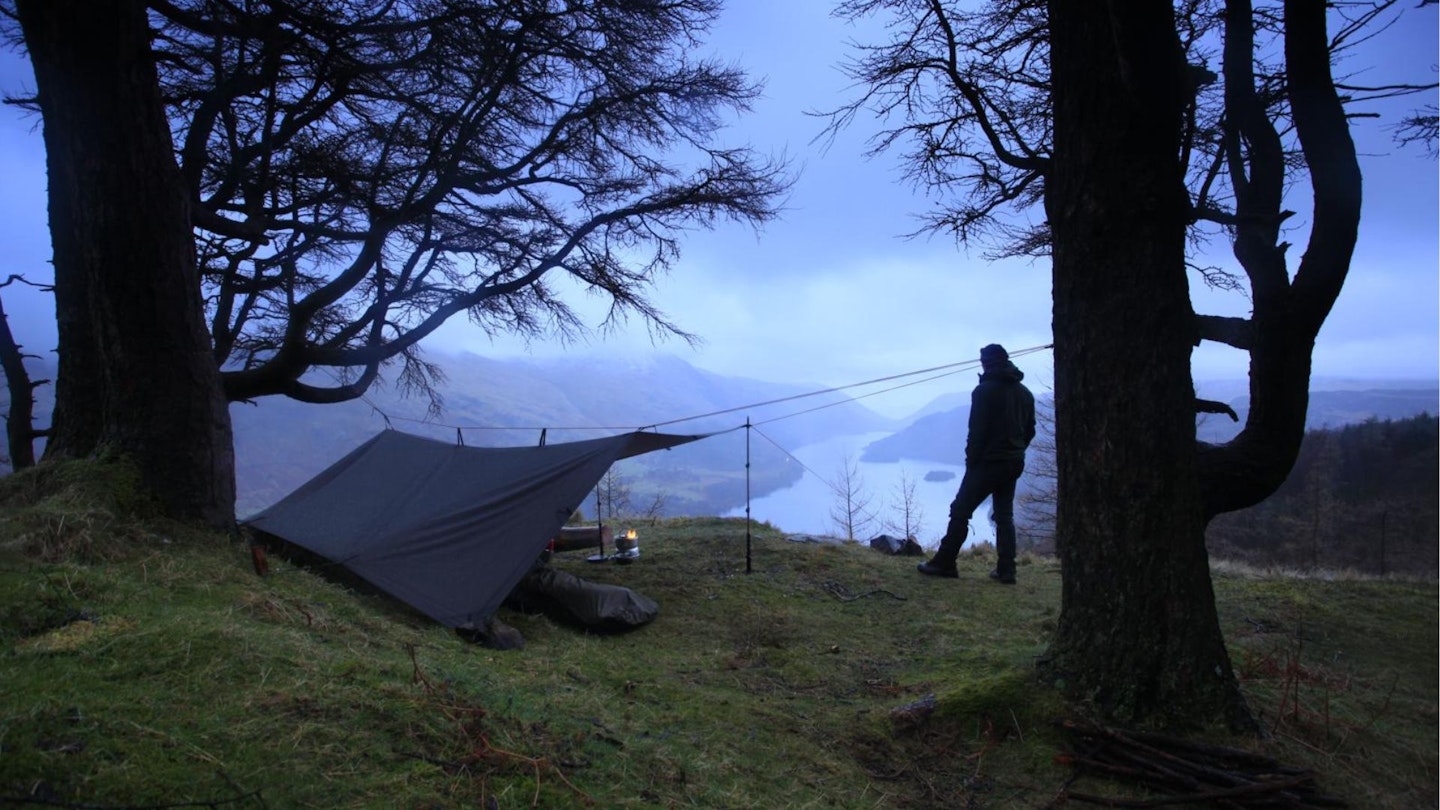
(445, 528)
(578, 602)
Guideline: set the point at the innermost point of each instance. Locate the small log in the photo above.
(576, 538)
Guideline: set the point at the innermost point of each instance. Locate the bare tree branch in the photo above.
(361, 174)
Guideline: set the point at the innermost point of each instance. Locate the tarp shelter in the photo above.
(446, 528)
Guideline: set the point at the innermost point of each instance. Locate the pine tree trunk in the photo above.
(136, 371)
(1138, 631)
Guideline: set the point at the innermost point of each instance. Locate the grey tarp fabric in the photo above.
(446, 528)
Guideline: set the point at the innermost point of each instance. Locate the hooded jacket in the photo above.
(1002, 416)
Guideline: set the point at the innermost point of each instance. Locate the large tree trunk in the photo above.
(1138, 632)
(136, 372)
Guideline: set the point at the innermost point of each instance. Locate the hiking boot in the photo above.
(1003, 580)
(938, 570)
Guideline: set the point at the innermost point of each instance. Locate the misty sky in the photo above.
(831, 294)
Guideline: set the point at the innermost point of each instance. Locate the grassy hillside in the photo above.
(159, 669)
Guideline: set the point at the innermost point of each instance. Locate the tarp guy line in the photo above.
(968, 366)
(834, 489)
(958, 367)
(949, 369)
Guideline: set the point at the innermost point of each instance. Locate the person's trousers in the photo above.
(984, 479)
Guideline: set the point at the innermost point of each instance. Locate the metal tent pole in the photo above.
(599, 521)
(747, 494)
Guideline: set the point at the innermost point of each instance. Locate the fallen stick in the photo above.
(1241, 791)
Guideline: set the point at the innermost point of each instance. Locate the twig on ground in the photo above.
(1187, 772)
(844, 594)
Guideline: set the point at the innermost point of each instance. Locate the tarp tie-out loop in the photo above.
(542, 436)
(460, 437)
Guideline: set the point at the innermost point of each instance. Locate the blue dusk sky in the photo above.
(832, 293)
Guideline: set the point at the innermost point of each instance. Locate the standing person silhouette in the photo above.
(1002, 425)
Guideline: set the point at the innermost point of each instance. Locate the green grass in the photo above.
(163, 670)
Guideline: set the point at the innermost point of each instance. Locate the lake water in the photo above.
(806, 506)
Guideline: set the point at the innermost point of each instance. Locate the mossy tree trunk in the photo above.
(136, 372)
(1138, 632)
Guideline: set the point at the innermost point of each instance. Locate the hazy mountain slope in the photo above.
(662, 389)
(1335, 408)
(945, 402)
(281, 443)
(940, 436)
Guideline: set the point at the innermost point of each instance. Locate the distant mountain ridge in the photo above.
(940, 436)
(280, 443)
(1335, 408)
